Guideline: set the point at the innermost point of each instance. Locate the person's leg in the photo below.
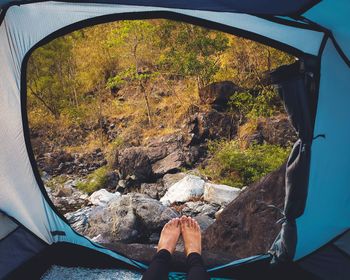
(196, 268)
(192, 237)
(159, 267)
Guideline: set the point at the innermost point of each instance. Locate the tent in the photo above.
(315, 237)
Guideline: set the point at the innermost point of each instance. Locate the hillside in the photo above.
(122, 113)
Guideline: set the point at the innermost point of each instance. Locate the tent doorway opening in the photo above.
(133, 123)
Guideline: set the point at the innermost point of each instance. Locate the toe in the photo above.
(193, 221)
(188, 222)
(196, 225)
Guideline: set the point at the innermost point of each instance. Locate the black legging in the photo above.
(160, 265)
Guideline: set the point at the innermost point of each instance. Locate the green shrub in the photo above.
(264, 103)
(238, 167)
(95, 181)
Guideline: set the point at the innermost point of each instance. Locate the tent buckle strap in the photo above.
(58, 233)
(319, 136)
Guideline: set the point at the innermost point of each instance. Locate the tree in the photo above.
(50, 73)
(133, 39)
(191, 51)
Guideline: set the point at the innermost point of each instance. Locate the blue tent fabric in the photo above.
(327, 209)
(317, 202)
(264, 7)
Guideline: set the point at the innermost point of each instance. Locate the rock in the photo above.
(276, 130)
(247, 226)
(220, 194)
(154, 238)
(79, 220)
(151, 213)
(99, 239)
(188, 188)
(129, 218)
(218, 213)
(194, 208)
(171, 179)
(67, 198)
(102, 197)
(64, 192)
(112, 179)
(134, 161)
(218, 94)
(158, 148)
(155, 190)
(211, 125)
(61, 162)
(145, 252)
(204, 222)
(115, 222)
(170, 163)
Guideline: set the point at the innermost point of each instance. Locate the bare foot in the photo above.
(169, 236)
(191, 234)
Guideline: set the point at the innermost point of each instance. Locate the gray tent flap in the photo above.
(6, 226)
(296, 88)
(17, 248)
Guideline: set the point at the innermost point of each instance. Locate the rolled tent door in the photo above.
(296, 87)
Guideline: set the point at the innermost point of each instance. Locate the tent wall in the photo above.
(327, 210)
(28, 26)
(274, 7)
(334, 15)
(23, 27)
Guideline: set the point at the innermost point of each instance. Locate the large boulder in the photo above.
(276, 130)
(195, 208)
(204, 222)
(247, 226)
(220, 194)
(129, 218)
(170, 163)
(153, 190)
(218, 94)
(102, 197)
(211, 125)
(151, 213)
(190, 187)
(171, 179)
(158, 148)
(79, 220)
(134, 162)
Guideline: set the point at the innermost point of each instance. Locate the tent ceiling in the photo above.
(334, 15)
(257, 7)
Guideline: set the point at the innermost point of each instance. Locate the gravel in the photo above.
(78, 273)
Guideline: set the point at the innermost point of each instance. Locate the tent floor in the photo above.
(73, 256)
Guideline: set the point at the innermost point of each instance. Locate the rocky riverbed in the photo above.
(156, 179)
(109, 217)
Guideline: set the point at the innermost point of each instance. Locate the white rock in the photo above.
(220, 194)
(189, 187)
(218, 213)
(102, 197)
(84, 196)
